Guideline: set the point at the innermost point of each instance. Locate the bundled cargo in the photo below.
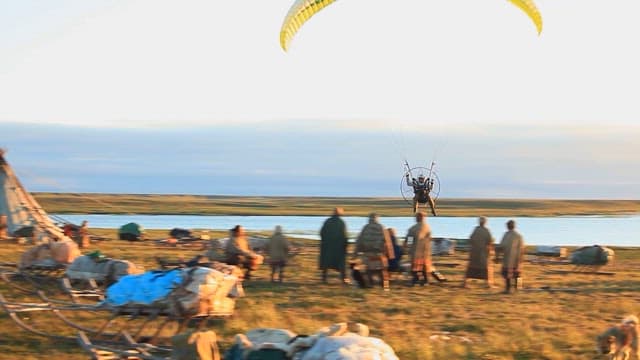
(59, 253)
(555, 251)
(342, 341)
(442, 246)
(97, 267)
(196, 291)
(592, 255)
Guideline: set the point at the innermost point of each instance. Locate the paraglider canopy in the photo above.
(303, 10)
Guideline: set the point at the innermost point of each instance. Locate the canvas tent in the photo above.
(25, 217)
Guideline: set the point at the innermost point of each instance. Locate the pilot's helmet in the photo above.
(420, 177)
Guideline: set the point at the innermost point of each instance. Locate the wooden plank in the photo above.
(557, 271)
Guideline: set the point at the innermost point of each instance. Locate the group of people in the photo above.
(378, 251)
(482, 249)
(377, 248)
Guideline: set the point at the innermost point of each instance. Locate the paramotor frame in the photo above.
(407, 190)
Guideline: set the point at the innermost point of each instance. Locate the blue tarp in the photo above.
(143, 289)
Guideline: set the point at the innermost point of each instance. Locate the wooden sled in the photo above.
(551, 289)
(582, 269)
(149, 319)
(128, 349)
(190, 243)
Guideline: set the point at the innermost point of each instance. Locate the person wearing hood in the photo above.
(481, 248)
(333, 246)
(419, 241)
(375, 246)
(278, 249)
(513, 249)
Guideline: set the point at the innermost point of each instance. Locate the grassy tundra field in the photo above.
(439, 321)
(251, 205)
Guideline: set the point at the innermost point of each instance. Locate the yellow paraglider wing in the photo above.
(531, 10)
(303, 10)
(298, 14)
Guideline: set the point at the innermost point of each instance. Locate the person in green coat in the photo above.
(333, 246)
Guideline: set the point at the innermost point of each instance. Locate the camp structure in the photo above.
(131, 232)
(24, 216)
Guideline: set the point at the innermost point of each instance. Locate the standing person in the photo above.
(83, 235)
(278, 249)
(394, 264)
(420, 249)
(239, 253)
(512, 246)
(4, 226)
(480, 265)
(375, 244)
(333, 246)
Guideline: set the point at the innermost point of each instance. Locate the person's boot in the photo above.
(281, 276)
(432, 205)
(345, 279)
(425, 279)
(507, 287)
(370, 279)
(414, 280)
(464, 284)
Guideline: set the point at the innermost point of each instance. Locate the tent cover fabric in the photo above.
(131, 228)
(25, 217)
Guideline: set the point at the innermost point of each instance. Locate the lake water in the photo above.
(564, 230)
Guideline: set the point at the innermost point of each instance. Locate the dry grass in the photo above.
(235, 205)
(480, 323)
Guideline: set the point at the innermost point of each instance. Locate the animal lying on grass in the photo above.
(621, 341)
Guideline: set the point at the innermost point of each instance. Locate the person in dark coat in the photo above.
(394, 264)
(333, 246)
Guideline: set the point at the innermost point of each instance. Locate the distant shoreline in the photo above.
(92, 203)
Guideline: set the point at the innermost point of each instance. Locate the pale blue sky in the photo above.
(539, 114)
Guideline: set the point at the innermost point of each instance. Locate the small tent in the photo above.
(131, 232)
